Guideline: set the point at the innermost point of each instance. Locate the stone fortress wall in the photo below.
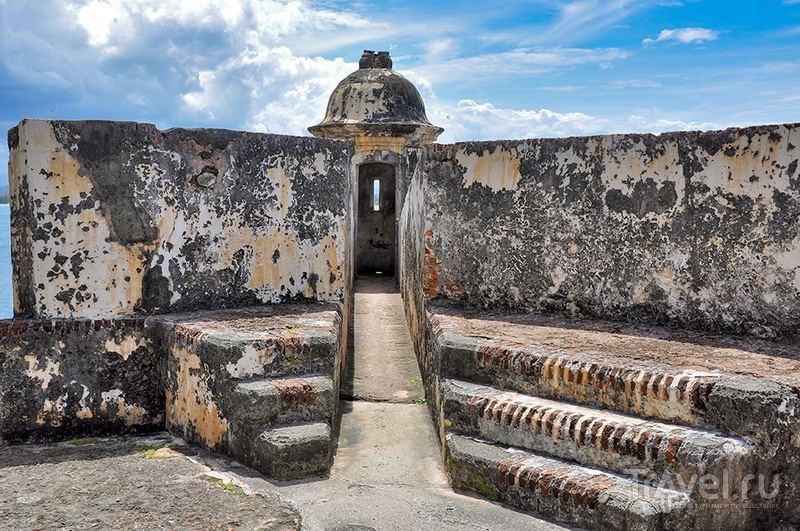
(686, 229)
(202, 280)
(118, 227)
(115, 219)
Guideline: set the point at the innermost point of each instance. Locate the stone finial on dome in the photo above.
(383, 60)
(369, 59)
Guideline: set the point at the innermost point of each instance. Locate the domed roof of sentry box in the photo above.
(375, 100)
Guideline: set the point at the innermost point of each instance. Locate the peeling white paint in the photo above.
(789, 260)
(104, 278)
(498, 170)
(44, 374)
(252, 363)
(126, 346)
(52, 412)
(85, 402)
(192, 407)
(53, 177)
(113, 402)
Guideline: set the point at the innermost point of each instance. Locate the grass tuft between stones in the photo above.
(149, 450)
(484, 487)
(231, 487)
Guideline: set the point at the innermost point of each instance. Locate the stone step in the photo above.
(567, 492)
(290, 451)
(662, 392)
(266, 402)
(727, 386)
(651, 451)
(258, 342)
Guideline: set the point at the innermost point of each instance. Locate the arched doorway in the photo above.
(377, 226)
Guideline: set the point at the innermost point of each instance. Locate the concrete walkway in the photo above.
(387, 472)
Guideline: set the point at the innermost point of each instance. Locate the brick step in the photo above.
(266, 402)
(660, 392)
(653, 451)
(288, 451)
(596, 364)
(567, 492)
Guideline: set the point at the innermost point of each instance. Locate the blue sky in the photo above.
(512, 69)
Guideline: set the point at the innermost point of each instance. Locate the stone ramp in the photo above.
(380, 361)
(644, 405)
(387, 472)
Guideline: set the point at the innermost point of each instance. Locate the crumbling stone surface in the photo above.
(220, 379)
(119, 218)
(697, 230)
(235, 376)
(288, 452)
(714, 417)
(67, 378)
(566, 492)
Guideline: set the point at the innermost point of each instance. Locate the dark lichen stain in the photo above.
(276, 255)
(313, 278)
(156, 294)
(791, 168)
(783, 222)
(84, 365)
(647, 197)
(13, 138)
(76, 263)
(104, 151)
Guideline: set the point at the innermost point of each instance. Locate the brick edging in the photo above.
(16, 327)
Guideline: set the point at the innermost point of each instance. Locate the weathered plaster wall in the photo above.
(119, 218)
(689, 229)
(412, 277)
(66, 378)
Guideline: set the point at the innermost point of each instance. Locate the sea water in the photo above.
(6, 288)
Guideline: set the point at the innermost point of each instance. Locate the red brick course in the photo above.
(604, 381)
(15, 327)
(294, 393)
(569, 487)
(563, 424)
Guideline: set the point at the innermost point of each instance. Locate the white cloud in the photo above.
(641, 124)
(470, 120)
(114, 21)
(636, 83)
(271, 19)
(483, 121)
(685, 36)
(224, 63)
(523, 61)
(272, 90)
(580, 19)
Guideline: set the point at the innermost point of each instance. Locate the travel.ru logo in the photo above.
(751, 490)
